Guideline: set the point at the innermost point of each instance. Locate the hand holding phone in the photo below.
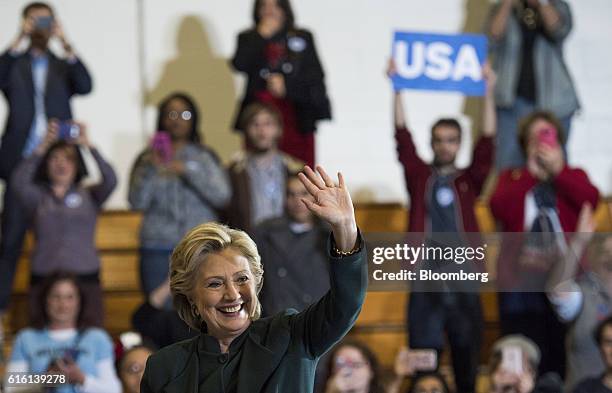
(548, 137)
(410, 361)
(162, 146)
(68, 131)
(512, 359)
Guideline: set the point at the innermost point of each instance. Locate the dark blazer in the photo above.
(295, 265)
(63, 81)
(302, 71)
(277, 354)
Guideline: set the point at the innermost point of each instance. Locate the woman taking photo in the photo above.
(353, 368)
(216, 275)
(178, 183)
(62, 341)
(63, 211)
(283, 69)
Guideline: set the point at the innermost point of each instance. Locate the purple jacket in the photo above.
(64, 229)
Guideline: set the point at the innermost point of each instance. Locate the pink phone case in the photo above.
(162, 144)
(548, 137)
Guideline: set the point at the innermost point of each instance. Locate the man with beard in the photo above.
(258, 174)
(442, 199)
(38, 87)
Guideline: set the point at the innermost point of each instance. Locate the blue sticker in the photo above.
(296, 44)
(73, 200)
(445, 196)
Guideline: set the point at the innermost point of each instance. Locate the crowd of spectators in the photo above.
(554, 274)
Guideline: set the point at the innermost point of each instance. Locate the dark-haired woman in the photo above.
(63, 342)
(283, 69)
(177, 183)
(63, 212)
(353, 368)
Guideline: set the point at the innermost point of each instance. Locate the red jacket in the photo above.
(467, 183)
(573, 189)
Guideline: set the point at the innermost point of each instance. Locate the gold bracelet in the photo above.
(343, 254)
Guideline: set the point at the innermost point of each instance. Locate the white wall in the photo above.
(186, 43)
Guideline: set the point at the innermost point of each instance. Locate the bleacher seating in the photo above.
(382, 321)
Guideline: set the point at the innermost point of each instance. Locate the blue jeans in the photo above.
(154, 269)
(508, 153)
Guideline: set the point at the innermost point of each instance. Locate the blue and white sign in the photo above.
(440, 62)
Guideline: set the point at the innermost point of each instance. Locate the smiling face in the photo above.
(177, 119)
(225, 293)
(61, 166)
(63, 303)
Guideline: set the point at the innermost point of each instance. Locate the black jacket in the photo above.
(301, 68)
(276, 354)
(63, 81)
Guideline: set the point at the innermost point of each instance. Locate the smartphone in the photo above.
(548, 137)
(68, 130)
(512, 359)
(44, 23)
(162, 145)
(422, 359)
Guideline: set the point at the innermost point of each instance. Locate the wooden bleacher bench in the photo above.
(382, 321)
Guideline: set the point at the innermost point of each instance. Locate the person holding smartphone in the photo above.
(526, 39)
(177, 183)
(63, 212)
(353, 368)
(542, 199)
(38, 85)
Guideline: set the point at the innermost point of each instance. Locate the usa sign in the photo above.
(440, 62)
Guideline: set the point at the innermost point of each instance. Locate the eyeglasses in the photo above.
(347, 363)
(174, 115)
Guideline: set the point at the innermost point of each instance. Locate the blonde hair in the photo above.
(192, 251)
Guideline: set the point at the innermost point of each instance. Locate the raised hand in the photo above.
(391, 68)
(50, 137)
(332, 204)
(551, 159)
(490, 77)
